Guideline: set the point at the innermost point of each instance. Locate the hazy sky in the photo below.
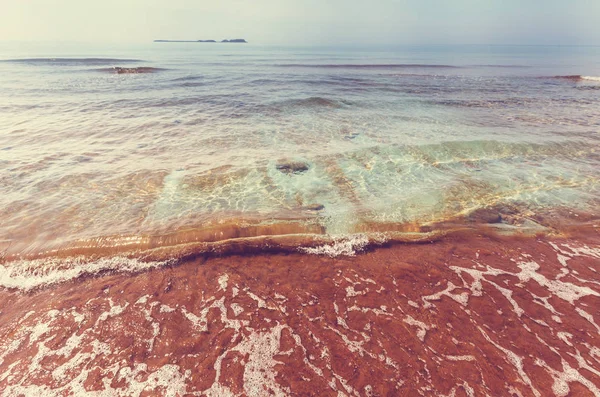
(310, 22)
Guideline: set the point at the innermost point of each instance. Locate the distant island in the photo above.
(201, 41)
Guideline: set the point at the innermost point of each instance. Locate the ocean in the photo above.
(147, 187)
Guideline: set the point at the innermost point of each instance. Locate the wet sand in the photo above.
(463, 315)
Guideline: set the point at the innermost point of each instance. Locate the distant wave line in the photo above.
(71, 61)
(366, 66)
(503, 66)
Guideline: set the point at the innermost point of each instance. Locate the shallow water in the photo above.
(460, 317)
(174, 139)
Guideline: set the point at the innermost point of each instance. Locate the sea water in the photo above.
(179, 138)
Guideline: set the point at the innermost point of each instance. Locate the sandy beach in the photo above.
(466, 315)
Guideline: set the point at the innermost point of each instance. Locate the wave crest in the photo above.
(578, 77)
(28, 275)
(341, 246)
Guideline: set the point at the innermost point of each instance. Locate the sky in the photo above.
(305, 22)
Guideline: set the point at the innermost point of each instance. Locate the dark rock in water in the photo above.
(292, 167)
(314, 207)
(234, 41)
(484, 215)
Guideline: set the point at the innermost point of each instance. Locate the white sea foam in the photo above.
(591, 78)
(423, 328)
(27, 275)
(341, 246)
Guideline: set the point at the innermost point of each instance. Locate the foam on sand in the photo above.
(284, 324)
(27, 275)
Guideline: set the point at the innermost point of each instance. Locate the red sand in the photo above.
(457, 317)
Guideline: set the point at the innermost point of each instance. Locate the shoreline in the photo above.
(255, 236)
(138, 254)
(521, 313)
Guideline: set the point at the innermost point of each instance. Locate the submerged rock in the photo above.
(314, 207)
(351, 135)
(485, 215)
(292, 167)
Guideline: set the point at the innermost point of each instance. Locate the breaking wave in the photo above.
(341, 246)
(577, 77)
(31, 274)
(104, 256)
(28, 275)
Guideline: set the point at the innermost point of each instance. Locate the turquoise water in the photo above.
(387, 136)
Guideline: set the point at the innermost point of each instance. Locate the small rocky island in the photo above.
(201, 41)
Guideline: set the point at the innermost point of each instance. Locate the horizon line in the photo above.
(271, 44)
